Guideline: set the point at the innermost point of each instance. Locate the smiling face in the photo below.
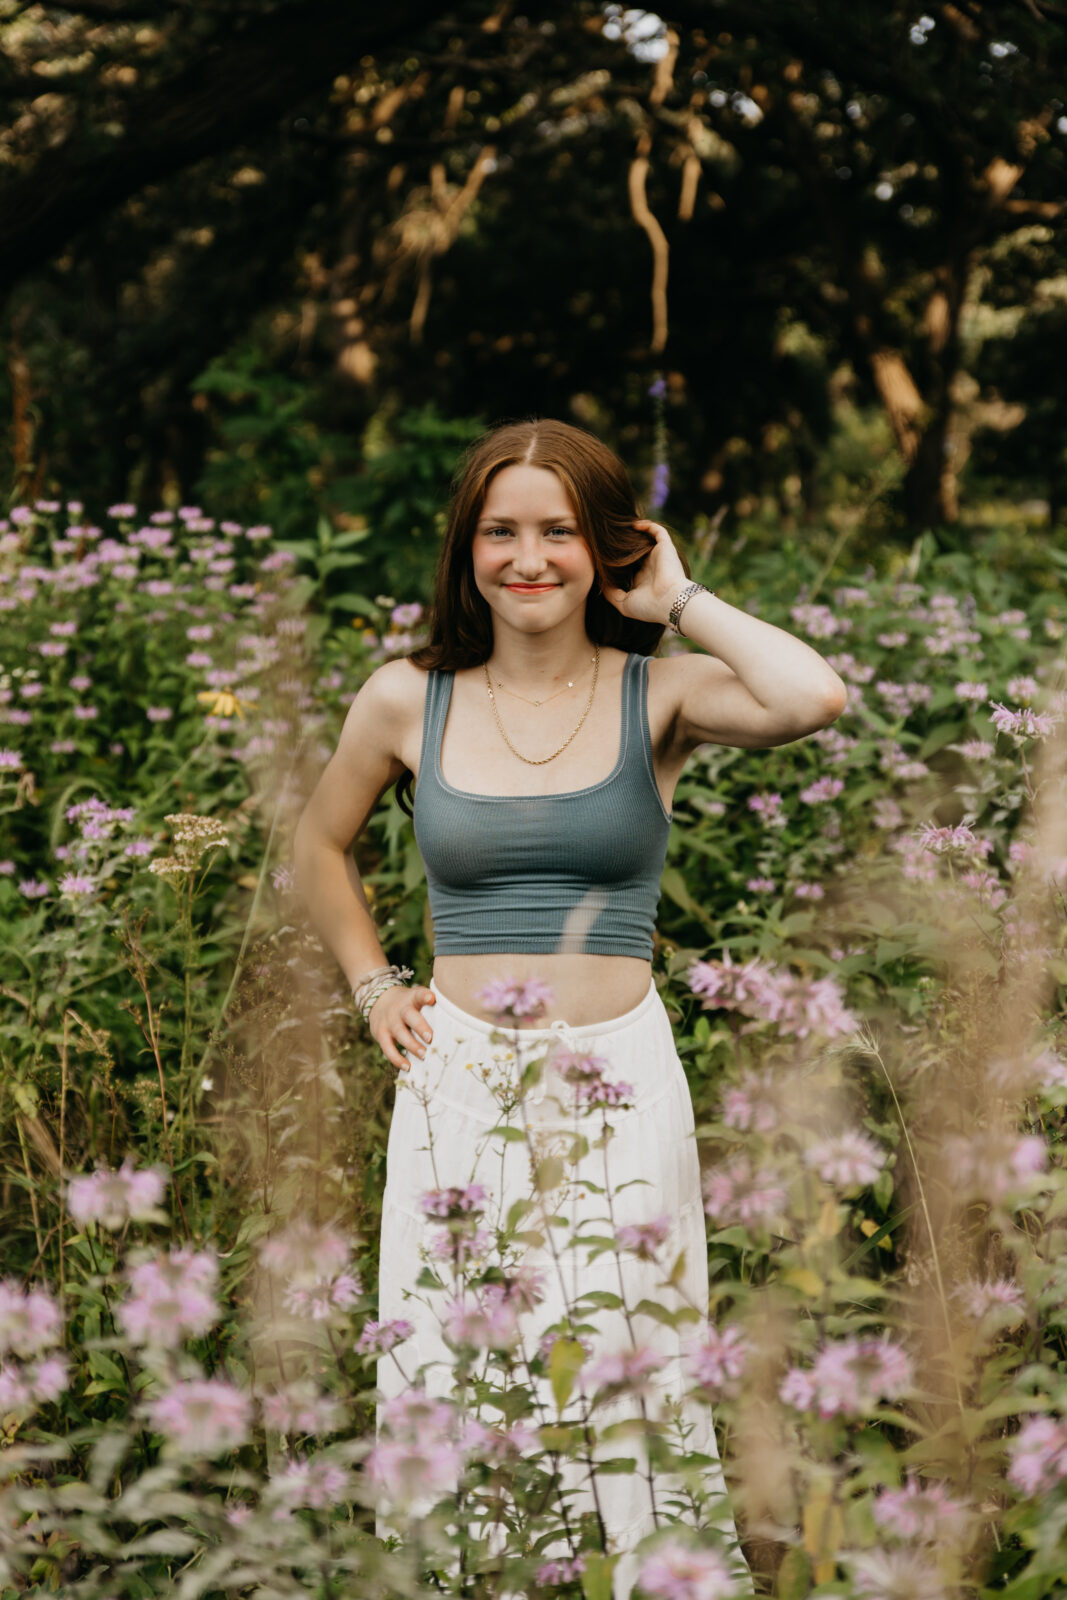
(531, 564)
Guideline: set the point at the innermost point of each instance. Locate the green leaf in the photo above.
(596, 1576)
(548, 1174)
(564, 1364)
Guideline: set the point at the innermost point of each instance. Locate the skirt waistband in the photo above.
(550, 1029)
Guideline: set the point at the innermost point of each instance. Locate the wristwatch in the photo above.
(681, 600)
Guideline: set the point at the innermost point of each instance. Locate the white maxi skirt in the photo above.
(440, 1137)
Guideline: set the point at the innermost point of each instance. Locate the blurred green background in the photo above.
(287, 257)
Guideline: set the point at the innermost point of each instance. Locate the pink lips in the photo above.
(531, 588)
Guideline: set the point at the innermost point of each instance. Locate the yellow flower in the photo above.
(222, 702)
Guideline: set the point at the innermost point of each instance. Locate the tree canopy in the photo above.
(782, 205)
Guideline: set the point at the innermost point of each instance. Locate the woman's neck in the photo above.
(540, 660)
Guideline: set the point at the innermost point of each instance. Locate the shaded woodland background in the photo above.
(287, 256)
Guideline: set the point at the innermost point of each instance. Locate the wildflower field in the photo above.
(862, 952)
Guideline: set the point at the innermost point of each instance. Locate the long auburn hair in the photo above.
(460, 621)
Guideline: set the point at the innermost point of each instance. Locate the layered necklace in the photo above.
(539, 761)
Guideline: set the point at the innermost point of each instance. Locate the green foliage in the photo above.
(903, 987)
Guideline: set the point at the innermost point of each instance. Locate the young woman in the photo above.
(545, 740)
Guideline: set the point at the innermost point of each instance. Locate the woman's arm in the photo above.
(367, 760)
(757, 686)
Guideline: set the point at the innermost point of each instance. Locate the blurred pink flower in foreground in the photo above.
(993, 1164)
(30, 1320)
(849, 1378)
(737, 1193)
(313, 1483)
(677, 1571)
(715, 1357)
(564, 1571)
(115, 1198)
(749, 1105)
(982, 1297)
(644, 1239)
(201, 1416)
(171, 1299)
(506, 997)
(849, 1160)
(378, 1338)
(1039, 1455)
(925, 1512)
(893, 1574)
(314, 1262)
(486, 1320)
(30, 1324)
(301, 1408)
(628, 1371)
(417, 1452)
(797, 1006)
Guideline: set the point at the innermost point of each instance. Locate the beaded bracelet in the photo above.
(374, 985)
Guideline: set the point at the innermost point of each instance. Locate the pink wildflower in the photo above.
(507, 997)
(579, 1069)
(1039, 1455)
(201, 1416)
(566, 1570)
(301, 1408)
(735, 1193)
(416, 1452)
(378, 1338)
(749, 1105)
(498, 1445)
(849, 1377)
(1022, 724)
(821, 790)
(486, 1320)
(679, 1571)
(600, 1093)
(715, 1358)
(927, 1513)
(30, 1320)
(305, 1251)
(894, 1574)
(980, 1298)
(994, 1164)
(314, 1483)
(115, 1198)
(644, 1239)
(849, 1160)
(322, 1299)
(628, 1371)
(455, 1202)
(172, 1299)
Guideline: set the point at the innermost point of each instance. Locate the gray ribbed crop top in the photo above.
(577, 871)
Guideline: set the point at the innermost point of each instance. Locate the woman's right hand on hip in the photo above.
(397, 1023)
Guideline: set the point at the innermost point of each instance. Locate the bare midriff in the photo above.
(585, 988)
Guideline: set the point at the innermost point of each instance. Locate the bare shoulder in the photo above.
(372, 753)
(384, 713)
(397, 688)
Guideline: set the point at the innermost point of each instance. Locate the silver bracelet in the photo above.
(681, 600)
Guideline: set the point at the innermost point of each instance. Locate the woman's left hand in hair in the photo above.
(656, 583)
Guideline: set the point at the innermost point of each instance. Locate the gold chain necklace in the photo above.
(539, 761)
(568, 685)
